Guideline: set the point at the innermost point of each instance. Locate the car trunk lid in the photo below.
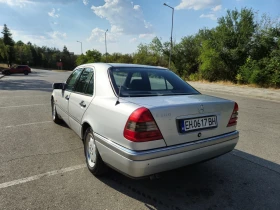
(176, 116)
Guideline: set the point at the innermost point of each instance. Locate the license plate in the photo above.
(199, 123)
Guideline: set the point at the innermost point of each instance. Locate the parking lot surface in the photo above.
(42, 165)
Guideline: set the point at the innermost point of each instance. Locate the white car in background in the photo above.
(142, 120)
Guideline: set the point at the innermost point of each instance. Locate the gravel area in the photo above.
(263, 93)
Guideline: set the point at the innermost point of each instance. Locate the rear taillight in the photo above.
(233, 117)
(141, 126)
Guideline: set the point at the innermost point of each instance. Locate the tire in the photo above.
(94, 161)
(7, 72)
(25, 72)
(55, 117)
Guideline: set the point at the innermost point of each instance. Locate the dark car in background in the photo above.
(17, 69)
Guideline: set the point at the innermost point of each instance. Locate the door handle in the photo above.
(82, 104)
(67, 97)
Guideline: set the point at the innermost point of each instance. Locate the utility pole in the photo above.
(106, 45)
(81, 47)
(171, 41)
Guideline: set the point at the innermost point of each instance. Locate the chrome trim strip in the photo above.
(164, 151)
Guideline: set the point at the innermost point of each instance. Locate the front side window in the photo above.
(71, 81)
(141, 81)
(84, 80)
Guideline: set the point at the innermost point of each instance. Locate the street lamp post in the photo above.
(106, 45)
(171, 42)
(81, 46)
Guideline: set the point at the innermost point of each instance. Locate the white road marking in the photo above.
(35, 123)
(30, 89)
(39, 88)
(7, 107)
(39, 176)
(25, 96)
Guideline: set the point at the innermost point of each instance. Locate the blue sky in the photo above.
(56, 23)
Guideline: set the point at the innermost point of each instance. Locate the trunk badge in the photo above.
(201, 109)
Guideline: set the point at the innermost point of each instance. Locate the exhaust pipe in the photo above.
(155, 177)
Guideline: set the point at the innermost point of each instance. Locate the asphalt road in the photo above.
(42, 164)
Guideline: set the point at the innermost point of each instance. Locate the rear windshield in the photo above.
(141, 82)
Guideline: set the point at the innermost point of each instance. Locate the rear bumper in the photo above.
(144, 163)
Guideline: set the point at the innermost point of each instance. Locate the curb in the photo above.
(1, 76)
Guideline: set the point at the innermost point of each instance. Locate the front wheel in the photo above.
(25, 72)
(94, 161)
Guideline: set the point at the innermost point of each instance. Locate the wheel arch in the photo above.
(85, 126)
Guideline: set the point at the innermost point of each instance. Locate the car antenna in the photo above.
(117, 102)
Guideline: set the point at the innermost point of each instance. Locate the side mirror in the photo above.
(64, 86)
(61, 86)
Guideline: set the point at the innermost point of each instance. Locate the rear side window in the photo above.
(90, 87)
(141, 82)
(83, 81)
(72, 79)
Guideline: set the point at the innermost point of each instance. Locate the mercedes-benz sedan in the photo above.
(142, 120)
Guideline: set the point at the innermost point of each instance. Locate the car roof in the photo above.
(108, 65)
(134, 65)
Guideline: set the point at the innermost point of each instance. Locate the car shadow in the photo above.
(26, 84)
(236, 180)
(63, 124)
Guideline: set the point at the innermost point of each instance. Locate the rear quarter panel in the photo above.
(108, 120)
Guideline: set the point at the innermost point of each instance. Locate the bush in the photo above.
(273, 70)
(275, 79)
(195, 77)
(239, 78)
(249, 73)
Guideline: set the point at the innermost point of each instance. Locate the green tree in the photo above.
(227, 45)
(212, 66)
(150, 54)
(9, 43)
(91, 56)
(81, 59)
(3, 50)
(186, 56)
(23, 54)
(232, 39)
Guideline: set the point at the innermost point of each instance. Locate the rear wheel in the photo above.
(25, 72)
(7, 72)
(55, 117)
(94, 161)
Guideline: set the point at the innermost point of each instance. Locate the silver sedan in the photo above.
(142, 120)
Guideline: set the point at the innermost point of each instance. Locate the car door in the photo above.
(62, 96)
(13, 70)
(20, 69)
(80, 99)
(17, 69)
